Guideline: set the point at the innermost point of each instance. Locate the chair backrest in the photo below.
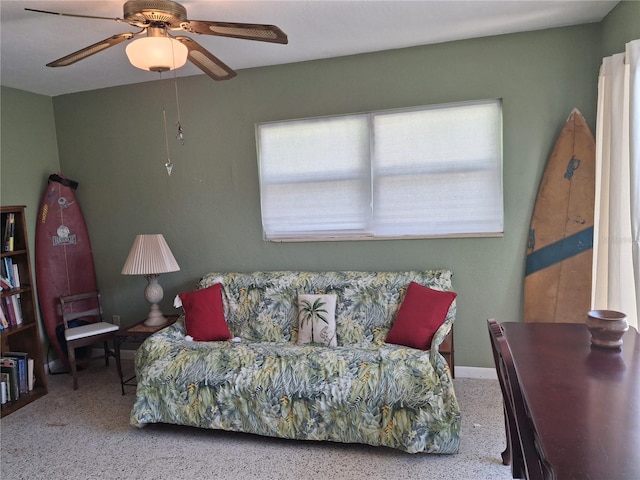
(87, 306)
(526, 462)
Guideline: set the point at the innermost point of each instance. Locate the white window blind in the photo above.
(426, 171)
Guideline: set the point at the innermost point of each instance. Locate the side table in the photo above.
(137, 333)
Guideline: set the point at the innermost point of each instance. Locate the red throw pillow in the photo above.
(204, 314)
(422, 312)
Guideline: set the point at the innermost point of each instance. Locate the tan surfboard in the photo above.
(557, 285)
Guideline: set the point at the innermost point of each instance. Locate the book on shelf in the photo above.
(31, 373)
(4, 323)
(15, 275)
(22, 359)
(7, 271)
(9, 233)
(10, 367)
(10, 311)
(17, 308)
(5, 284)
(4, 378)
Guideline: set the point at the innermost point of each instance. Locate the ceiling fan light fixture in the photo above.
(157, 53)
(160, 51)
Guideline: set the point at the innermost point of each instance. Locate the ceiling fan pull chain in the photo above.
(180, 134)
(169, 164)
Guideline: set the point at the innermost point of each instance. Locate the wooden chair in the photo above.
(521, 449)
(88, 307)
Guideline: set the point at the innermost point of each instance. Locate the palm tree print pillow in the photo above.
(317, 319)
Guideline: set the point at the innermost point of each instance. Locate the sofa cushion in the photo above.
(387, 395)
(262, 306)
(204, 315)
(421, 313)
(317, 319)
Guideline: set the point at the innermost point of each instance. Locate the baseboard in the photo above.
(476, 372)
(56, 365)
(127, 354)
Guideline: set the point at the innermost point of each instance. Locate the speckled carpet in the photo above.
(85, 434)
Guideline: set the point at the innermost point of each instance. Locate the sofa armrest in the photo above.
(442, 341)
(447, 351)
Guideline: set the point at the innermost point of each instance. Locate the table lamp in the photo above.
(150, 256)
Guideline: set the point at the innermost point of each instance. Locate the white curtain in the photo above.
(616, 259)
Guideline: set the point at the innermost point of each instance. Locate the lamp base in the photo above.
(155, 317)
(153, 294)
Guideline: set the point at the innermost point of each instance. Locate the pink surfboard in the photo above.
(64, 259)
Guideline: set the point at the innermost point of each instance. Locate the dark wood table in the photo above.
(137, 334)
(584, 401)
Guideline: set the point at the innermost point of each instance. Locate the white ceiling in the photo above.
(316, 29)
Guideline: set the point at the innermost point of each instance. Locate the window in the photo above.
(419, 172)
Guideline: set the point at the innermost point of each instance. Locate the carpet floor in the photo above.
(85, 434)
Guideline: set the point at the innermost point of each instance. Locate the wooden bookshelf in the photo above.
(26, 336)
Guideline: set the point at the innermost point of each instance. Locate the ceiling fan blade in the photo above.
(247, 31)
(74, 15)
(91, 49)
(205, 61)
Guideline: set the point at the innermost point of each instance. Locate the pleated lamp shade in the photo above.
(150, 255)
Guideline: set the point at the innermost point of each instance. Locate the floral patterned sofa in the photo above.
(362, 390)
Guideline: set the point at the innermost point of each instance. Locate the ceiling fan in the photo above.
(156, 18)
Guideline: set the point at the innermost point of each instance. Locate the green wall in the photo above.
(28, 150)
(619, 27)
(28, 153)
(112, 142)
